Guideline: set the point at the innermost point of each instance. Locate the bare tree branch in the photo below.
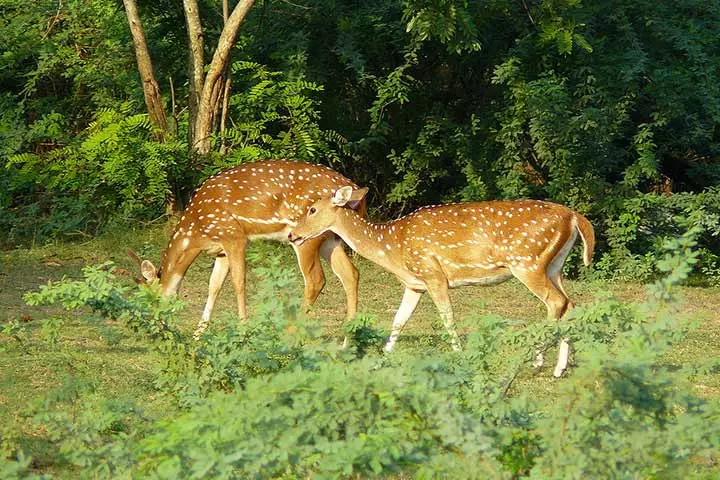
(196, 61)
(217, 66)
(151, 89)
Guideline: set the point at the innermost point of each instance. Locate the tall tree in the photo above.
(151, 89)
(207, 91)
(207, 88)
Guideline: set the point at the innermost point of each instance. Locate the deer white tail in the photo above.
(587, 233)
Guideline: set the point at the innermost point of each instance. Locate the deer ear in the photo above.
(134, 257)
(148, 270)
(342, 195)
(357, 197)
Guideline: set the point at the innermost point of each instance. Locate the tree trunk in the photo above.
(196, 63)
(224, 113)
(226, 90)
(208, 103)
(151, 89)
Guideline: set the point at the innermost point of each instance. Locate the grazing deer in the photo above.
(260, 200)
(440, 247)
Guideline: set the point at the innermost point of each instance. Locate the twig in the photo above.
(528, 12)
(173, 103)
(512, 379)
(55, 19)
(296, 5)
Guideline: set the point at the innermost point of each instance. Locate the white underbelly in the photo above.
(485, 280)
(410, 281)
(279, 236)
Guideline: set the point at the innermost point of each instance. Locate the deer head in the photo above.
(321, 216)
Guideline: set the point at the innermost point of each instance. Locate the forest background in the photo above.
(609, 107)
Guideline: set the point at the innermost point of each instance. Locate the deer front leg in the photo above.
(563, 354)
(217, 278)
(308, 257)
(236, 260)
(407, 307)
(332, 250)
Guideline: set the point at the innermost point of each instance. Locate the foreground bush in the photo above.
(271, 398)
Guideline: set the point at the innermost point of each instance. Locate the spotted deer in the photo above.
(260, 200)
(445, 246)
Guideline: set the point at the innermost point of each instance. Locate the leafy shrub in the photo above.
(337, 421)
(635, 234)
(275, 338)
(362, 337)
(114, 168)
(275, 115)
(270, 399)
(17, 468)
(144, 311)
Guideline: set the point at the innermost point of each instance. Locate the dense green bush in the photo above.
(276, 116)
(114, 169)
(272, 398)
(636, 231)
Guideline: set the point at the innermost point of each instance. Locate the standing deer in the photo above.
(440, 247)
(260, 200)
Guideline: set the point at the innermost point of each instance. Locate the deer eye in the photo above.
(312, 210)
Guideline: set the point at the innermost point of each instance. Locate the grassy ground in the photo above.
(29, 368)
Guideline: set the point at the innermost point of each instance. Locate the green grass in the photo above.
(119, 366)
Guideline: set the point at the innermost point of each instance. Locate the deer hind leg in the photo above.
(564, 350)
(308, 256)
(557, 281)
(235, 256)
(554, 273)
(217, 278)
(552, 294)
(440, 294)
(546, 290)
(407, 307)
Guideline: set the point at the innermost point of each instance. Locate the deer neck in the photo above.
(378, 242)
(175, 261)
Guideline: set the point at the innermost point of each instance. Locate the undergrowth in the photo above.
(272, 398)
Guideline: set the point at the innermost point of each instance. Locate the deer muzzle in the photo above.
(295, 239)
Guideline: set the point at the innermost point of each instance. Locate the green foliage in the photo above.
(450, 22)
(636, 232)
(17, 468)
(51, 329)
(91, 433)
(144, 311)
(275, 339)
(115, 167)
(300, 423)
(269, 398)
(13, 329)
(362, 336)
(275, 115)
